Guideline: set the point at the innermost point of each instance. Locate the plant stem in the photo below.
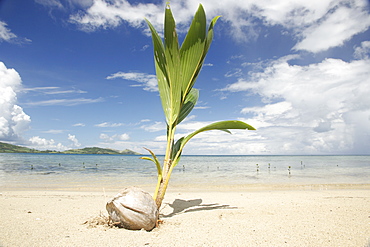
(167, 169)
(163, 187)
(157, 187)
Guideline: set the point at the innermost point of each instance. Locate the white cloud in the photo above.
(319, 108)
(339, 26)
(50, 3)
(234, 73)
(103, 14)
(201, 107)
(42, 89)
(74, 140)
(7, 35)
(144, 47)
(114, 138)
(219, 142)
(13, 121)
(149, 82)
(65, 102)
(154, 127)
(36, 140)
(317, 25)
(42, 143)
(35, 92)
(79, 125)
(53, 90)
(104, 137)
(108, 125)
(123, 137)
(64, 4)
(81, 3)
(53, 131)
(363, 51)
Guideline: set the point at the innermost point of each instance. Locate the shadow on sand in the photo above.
(186, 206)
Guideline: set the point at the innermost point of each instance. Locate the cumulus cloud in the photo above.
(40, 143)
(74, 140)
(331, 22)
(311, 109)
(148, 81)
(43, 144)
(13, 121)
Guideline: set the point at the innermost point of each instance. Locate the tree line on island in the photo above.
(9, 148)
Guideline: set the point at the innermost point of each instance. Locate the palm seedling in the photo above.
(177, 69)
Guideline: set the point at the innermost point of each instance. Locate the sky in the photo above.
(80, 73)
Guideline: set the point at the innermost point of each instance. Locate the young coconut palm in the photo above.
(177, 69)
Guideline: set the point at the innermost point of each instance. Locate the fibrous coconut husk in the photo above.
(133, 209)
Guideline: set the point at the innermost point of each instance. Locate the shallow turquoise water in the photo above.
(57, 170)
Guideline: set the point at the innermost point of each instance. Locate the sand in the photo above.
(305, 215)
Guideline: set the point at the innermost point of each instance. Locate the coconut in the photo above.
(133, 209)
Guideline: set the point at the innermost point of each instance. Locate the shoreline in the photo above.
(196, 187)
(258, 215)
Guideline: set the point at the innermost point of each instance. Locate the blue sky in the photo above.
(80, 73)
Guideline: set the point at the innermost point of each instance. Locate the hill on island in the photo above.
(96, 150)
(9, 148)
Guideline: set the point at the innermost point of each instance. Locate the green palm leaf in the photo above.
(172, 54)
(154, 160)
(192, 49)
(222, 125)
(190, 101)
(177, 69)
(161, 71)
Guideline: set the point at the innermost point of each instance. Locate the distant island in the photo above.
(96, 150)
(9, 148)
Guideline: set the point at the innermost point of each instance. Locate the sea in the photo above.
(79, 171)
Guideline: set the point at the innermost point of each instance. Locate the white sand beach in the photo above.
(305, 215)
